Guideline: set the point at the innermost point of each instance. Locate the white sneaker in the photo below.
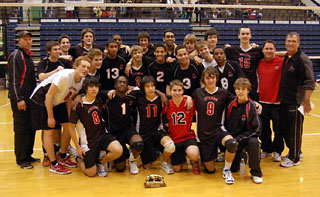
(257, 179)
(72, 151)
(288, 163)
(276, 157)
(133, 167)
(101, 170)
(264, 155)
(167, 167)
(227, 175)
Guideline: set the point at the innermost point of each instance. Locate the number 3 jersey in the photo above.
(89, 123)
(210, 108)
(180, 121)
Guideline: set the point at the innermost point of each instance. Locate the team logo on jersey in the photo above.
(291, 69)
(243, 117)
(121, 66)
(230, 74)
(194, 75)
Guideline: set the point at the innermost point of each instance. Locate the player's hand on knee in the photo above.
(81, 152)
(259, 107)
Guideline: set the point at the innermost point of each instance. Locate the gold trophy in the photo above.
(154, 180)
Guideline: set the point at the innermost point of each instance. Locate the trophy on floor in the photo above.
(154, 180)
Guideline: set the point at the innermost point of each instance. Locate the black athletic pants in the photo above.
(291, 125)
(271, 112)
(252, 147)
(23, 134)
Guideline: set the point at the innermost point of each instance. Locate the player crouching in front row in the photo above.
(87, 119)
(243, 123)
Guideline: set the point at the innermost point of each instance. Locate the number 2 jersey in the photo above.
(89, 123)
(160, 73)
(210, 108)
(180, 121)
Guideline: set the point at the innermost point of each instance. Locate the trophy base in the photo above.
(154, 184)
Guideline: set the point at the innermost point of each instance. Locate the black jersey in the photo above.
(110, 70)
(77, 51)
(149, 53)
(149, 116)
(248, 61)
(160, 73)
(189, 77)
(124, 55)
(46, 66)
(210, 108)
(137, 74)
(89, 122)
(231, 72)
(119, 113)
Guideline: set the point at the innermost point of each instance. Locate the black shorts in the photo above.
(124, 136)
(151, 147)
(39, 116)
(92, 156)
(179, 156)
(208, 148)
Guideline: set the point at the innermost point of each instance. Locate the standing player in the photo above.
(87, 118)
(180, 122)
(207, 58)
(149, 126)
(296, 86)
(113, 66)
(185, 70)
(65, 44)
(169, 39)
(269, 72)
(210, 103)
(211, 36)
(95, 56)
(143, 39)
(248, 58)
(243, 123)
(159, 68)
(229, 71)
(138, 66)
(47, 67)
(22, 81)
(49, 110)
(124, 50)
(87, 39)
(119, 124)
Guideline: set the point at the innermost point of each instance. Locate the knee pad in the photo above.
(231, 145)
(169, 147)
(208, 171)
(137, 146)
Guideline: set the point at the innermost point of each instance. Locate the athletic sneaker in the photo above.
(195, 167)
(167, 167)
(133, 166)
(26, 165)
(220, 158)
(46, 161)
(34, 160)
(59, 169)
(67, 161)
(264, 155)
(257, 179)
(227, 175)
(101, 170)
(276, 157)
(288, 163)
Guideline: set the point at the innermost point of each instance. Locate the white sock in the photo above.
(227, 165)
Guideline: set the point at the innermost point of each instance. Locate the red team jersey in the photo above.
(180, 121)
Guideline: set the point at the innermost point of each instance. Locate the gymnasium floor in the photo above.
(301, 180)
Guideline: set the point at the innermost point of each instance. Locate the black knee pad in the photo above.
(137, 146)
(120, 170)
(231, 145)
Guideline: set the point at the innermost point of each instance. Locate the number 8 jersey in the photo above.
(210, 108)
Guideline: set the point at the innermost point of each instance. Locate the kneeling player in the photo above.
(87, 118)
(243, 123)
(210, 103)
(180, 122)
(150, 128)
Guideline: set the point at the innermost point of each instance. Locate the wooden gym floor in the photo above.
(303, 180)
